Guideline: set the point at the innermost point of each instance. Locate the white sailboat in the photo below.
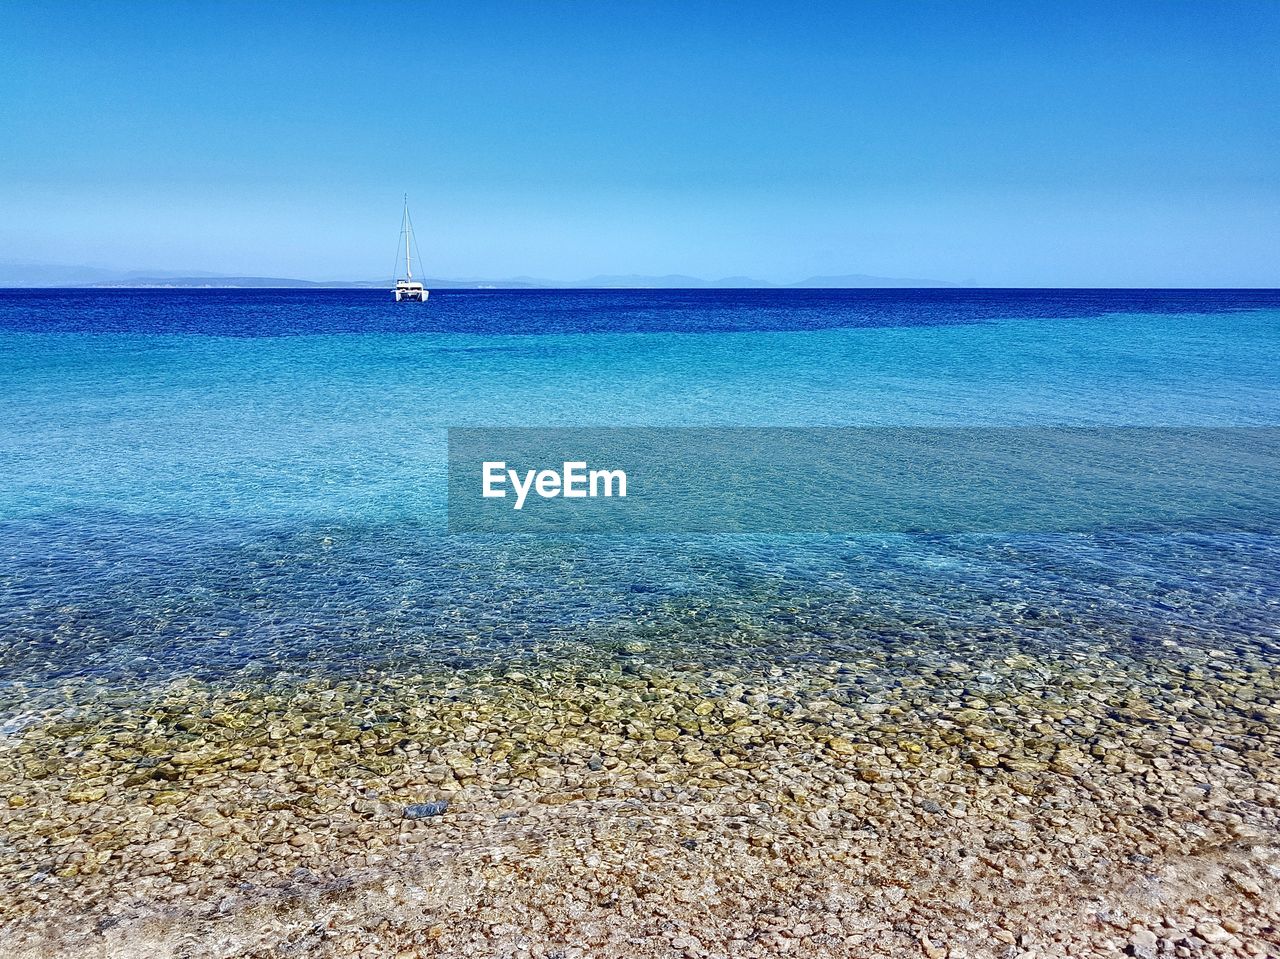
(407, 288)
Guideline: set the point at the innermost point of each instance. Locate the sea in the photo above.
(249, 486)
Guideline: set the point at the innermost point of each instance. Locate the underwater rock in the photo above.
(426, 810)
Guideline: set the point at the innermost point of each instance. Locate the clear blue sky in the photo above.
(1020, 143)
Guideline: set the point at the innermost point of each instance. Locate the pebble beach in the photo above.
(939, 804)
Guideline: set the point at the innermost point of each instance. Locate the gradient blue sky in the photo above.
(1004, 143)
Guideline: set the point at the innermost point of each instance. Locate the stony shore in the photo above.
(1022, 804)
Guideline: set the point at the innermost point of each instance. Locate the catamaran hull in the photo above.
(406, 288)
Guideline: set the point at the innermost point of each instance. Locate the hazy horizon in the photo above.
(1001, 144)
(56, 276)
(17, 274)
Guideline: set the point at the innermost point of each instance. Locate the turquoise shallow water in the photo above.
(249, 484)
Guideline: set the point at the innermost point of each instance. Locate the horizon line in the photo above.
(334, 287)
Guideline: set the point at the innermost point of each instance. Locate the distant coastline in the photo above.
(33, 276)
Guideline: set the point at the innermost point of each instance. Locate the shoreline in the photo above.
(927, 800)
(544, 898)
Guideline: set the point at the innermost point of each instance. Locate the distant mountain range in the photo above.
(48, 275)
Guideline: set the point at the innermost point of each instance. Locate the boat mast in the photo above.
(408, 267)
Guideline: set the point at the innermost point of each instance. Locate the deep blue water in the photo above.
(233, 483)
(542, 312)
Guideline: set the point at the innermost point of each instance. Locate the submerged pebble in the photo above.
(426, 810)
(876, 777)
